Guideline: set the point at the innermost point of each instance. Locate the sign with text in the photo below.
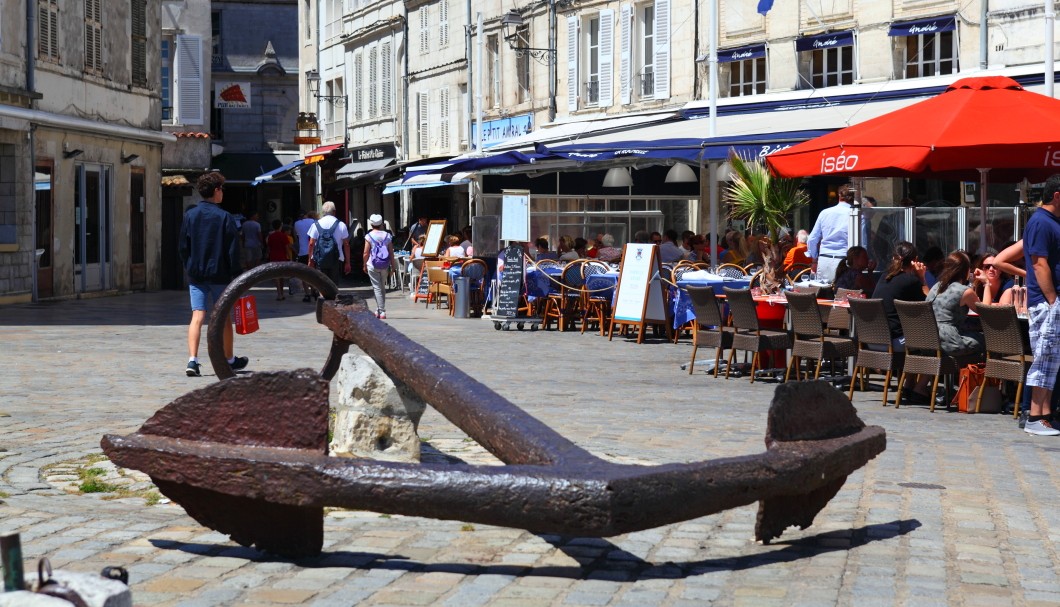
(515, 215)
(639, 296)
(503, 129)
(435, 235)
(510, 285)
(231, 95)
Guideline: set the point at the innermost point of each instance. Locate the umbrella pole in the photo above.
(984, 181)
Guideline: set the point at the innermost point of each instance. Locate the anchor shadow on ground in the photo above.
(597, 558)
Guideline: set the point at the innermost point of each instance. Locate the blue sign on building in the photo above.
(498, 131)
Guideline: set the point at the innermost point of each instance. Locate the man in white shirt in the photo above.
(301, 231)
(342, 238)
(828, 239)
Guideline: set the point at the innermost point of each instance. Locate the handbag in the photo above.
(246, 315)
(972, 380)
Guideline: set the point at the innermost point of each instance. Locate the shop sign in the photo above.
(503, 129)
(231, 95)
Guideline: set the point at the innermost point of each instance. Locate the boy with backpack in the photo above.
(329, 244)
(378, 261)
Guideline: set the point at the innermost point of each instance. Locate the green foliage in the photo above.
(761, 199)
(94, 485)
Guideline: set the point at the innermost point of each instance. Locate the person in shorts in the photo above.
(209, 250)
(1041, 250)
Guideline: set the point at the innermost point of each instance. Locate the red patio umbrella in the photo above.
(976, 125)
(988, 122)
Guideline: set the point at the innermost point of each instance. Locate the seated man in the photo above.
(797, 254)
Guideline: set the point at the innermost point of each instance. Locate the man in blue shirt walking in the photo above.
(1041, 250)
(828, 239)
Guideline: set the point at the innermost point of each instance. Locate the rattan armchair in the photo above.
(564, 305)
(923, 349)
(748, 335)
(731, 270)
(438, 279)
(597, 306)
(1007, 355)
(710, 331)
(875, 349)
(810, 340)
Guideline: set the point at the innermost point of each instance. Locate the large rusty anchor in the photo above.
(247, 456)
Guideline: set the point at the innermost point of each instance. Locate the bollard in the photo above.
(462, 298)
(11, 561)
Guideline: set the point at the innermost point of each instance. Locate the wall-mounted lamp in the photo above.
(617, 177)
(72, 153)
(512, 22)
(681, 173)
(129, 158)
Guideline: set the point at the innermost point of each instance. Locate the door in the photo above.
(42, 186)
(137, 231)
(91, 228)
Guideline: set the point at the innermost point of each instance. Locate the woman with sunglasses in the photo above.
(991, 284)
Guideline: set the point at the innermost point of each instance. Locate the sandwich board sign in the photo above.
(640, 299)
(515, 215)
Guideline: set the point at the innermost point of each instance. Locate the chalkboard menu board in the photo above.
(423, 288)
(510, 286)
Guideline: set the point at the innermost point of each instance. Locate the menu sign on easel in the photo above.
(510, 285)
(515, 215)
(640, 298)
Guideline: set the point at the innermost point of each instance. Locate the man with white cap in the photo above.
(378, 261)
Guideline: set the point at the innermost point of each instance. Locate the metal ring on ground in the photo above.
(243, 283)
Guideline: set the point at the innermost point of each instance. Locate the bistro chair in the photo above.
(756, 280)
(1007, 354)
(796, 270)
(475, 270)
(923, 350)
(748, 335)
(731, 270)
(810, 340)
(796, 277)
(838, 322)
(710, 331)
(564, 304)
(875, 349)
(438, 279)
(596, 306)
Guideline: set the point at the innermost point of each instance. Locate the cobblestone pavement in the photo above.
(959, 510)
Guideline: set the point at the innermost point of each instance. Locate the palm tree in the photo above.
(761, 199)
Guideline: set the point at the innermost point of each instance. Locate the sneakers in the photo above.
(240, 362)
(381, 315)
(193, 369)
(1041, 428)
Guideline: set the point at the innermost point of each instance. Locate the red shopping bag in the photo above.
(246, 315)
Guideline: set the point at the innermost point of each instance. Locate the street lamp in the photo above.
(312, 78)
(512, 21)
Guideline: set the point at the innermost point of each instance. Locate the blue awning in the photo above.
(690, 150)
(426, 180)
(934, 25)
(275, 173)
(754, 51)
(824, 41)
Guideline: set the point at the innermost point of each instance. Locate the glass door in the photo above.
(91, 227)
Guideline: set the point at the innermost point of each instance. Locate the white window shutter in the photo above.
(625, 62)
(425, 133)
(358, 87)
(662, 49)
(387, 77)
(189, 80)
(443, 23)
(425, 29)
(373, 82)
(443, 111)
(572, 63)
(607, 58)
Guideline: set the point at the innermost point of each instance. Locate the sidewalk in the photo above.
(959, 510)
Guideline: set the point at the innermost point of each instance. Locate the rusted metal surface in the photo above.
(247, 456)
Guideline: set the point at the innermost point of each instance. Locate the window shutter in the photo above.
(387, 78)
(373, 82)
(358, 87)
(625, 62)
(425, 134)
(93, 35)
(572, 63)
(53, 30)
(443, 110)
(425, 31)
(443, 24)
(189, 80)
(607, 58)
(662, 49)
(44, 43)
(138, 45)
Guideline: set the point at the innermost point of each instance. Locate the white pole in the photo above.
(478, 87)
(712, 128)
(1050, 19)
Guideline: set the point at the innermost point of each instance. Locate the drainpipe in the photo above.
(552, 61)
(984, 52)
(1050, 72)
(478, 85)
(406, 152)
(31, 84)
(469, 107)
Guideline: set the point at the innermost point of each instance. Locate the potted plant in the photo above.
(761, 199)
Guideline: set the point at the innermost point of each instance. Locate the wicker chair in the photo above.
(796, 270)
(565, 304)
(810, 340)
(438, 279)
(711, 331)
(596, 306)
(476, 270)
(923, 349)
(1006, 353)
(796, 277)
(748, 335)
(731, 270)
(875, 350)
(838, 322)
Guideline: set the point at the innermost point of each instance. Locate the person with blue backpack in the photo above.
(378, 261)
(329, 244)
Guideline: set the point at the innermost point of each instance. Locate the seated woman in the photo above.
(542, 249)
(454, 250)
(608, 251)
(951, 298)
(903, 281)
(851, 271)
(992, 285)
(736, 251)
(566, 249)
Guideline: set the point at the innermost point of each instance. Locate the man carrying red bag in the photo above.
(209, 250)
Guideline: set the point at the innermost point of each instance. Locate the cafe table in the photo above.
(682, 304)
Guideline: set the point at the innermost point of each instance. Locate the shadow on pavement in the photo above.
(597, 558)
